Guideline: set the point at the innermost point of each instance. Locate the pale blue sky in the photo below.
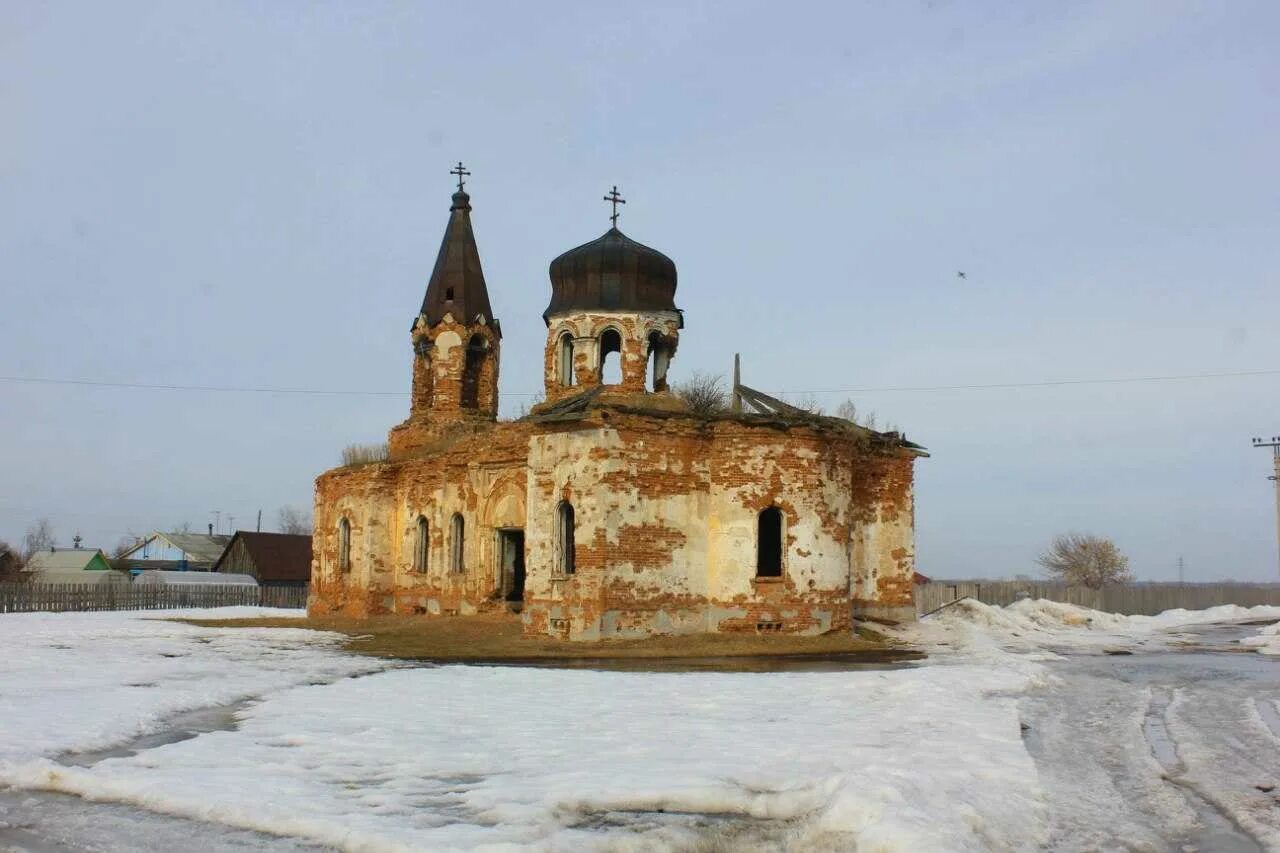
(253, 194)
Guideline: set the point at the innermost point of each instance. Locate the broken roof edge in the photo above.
(580, 406)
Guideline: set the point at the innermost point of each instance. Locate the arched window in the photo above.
(565, 364)
(476, 348)
(421, 542)
(610, 368)
(566, 548)
(457, 530)
(344, 545)
(769, 543)
(659, 360)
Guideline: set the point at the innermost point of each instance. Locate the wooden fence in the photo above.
(57, 598)
(1146, 598)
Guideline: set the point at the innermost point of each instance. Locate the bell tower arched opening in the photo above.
(659, 361)
(477, 349)
(564, 359)
(611, 368)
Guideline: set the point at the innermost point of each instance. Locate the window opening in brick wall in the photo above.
(344, 545)
(769, 543)
(420, 544)
(457, 530)
(566, 548)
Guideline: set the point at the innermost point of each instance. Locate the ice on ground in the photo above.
(1107, 790)
(1230, 756)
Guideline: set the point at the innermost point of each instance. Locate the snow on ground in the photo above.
(458, 757)
(1134, 752)
(926, 758)
(79, 681)
(1267, 641)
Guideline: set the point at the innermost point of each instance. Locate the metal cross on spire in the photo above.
(460, 172)
(614, 199)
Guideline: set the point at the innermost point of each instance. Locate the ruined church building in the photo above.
(611, 509)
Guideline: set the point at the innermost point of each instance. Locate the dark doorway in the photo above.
(769, 543)
(511, 561)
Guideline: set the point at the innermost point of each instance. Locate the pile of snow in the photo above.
(1030, 624)
(1267, 641)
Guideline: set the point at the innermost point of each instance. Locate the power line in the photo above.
(347, 392)
(1048, 383)
(149, 386)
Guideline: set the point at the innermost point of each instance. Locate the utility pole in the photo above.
(1274, 444)
(1181, 567)
(259, 528)
(231, 523)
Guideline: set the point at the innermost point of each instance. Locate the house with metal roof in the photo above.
(275, 559)
(181, 552)
(61, 561)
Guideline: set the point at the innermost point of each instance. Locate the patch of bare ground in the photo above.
(496, 638)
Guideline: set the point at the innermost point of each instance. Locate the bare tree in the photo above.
(293, 520)
(360, 454)
(849, 412)
(39, 537)
(124, 544)
(527, 406)
(703, 393)
(809, 403)
(10, 562)
(1083, 560)
(184, 527)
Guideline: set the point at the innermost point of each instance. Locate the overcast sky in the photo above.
(252, 194)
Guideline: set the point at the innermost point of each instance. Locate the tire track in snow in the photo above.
(1221, 833)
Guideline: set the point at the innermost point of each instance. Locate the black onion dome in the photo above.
(612, 273)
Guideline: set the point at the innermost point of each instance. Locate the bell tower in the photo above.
(612, 322)
(455, 338)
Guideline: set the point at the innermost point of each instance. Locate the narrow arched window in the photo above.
(566, 548)
(420, 544)
(344, 545)
(611, 368)
(769, 543)
(476, 349)
(565, 368)
(457, 530)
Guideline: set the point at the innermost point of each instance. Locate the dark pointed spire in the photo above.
(457, 283)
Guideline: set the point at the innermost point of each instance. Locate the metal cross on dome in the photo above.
(614, 199)
(459, 171)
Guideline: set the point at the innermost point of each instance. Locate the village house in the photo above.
(179, 551)
(273, 559)
(611, 509)
(63, 561)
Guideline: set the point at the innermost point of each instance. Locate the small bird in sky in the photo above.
(960, 274)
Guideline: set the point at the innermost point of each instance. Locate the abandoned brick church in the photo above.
(611, 509)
